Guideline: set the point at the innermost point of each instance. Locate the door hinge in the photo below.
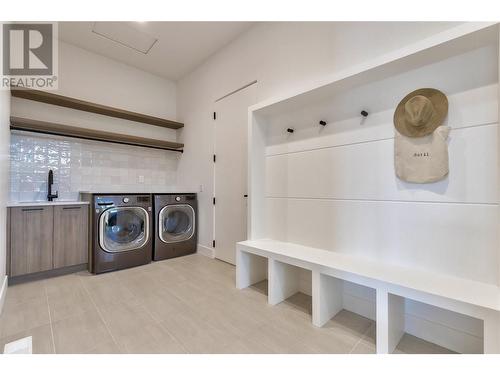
(214, 200)
(215, 115)
(213, 243)
(215, 158)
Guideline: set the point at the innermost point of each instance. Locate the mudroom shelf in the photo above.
(82, 105)
(17, 123)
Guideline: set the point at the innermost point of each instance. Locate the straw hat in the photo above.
(420, 112)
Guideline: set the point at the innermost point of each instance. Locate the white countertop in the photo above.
(45, 203)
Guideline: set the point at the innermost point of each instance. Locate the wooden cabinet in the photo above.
(42, 238)
(70, 235)
(31, 231)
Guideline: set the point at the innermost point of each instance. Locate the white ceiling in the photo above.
(180, 48)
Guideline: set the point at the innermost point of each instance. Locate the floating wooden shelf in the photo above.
(17, 123)
(82, 105)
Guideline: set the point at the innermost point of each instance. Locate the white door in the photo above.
(230, 171)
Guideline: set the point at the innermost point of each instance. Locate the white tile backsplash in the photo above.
(81, 165)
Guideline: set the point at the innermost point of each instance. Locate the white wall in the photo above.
(4, 186)
(280, 56)
(97, 166)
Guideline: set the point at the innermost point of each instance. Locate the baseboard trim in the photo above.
(46, 274)
(3, 293)
(206, 251)
(439, 334)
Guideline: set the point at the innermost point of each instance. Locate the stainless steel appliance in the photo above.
(121, 231)
(175, 225)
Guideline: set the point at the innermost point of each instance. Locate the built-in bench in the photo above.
(279, 262)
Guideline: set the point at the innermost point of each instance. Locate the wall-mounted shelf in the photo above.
(17, 123)
(82, 105)
(452, 42)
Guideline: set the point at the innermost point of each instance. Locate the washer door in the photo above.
(123, 229)
(176, 223)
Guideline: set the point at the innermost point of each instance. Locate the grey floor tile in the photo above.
(23, 316)
(353, 324)
(26, 292)
(65, 304)
(413, 345)
(245, 346)
(280, 340)
(196, 335)
(80, 333)
(162, 304)
(149, 339)
(122, 318)
(106, 289)
(181, 305)
(190, 293)
(62, 285)
(106, 347)
(364, 348)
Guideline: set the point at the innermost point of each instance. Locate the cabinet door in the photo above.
(70, 235)
(31, 230)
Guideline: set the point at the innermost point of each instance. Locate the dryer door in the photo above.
(176, 223)
(123, 229)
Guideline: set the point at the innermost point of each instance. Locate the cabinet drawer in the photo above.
(70, 235)
(31, 230)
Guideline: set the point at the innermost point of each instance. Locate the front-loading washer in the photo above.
(121, 231)
(175, 225)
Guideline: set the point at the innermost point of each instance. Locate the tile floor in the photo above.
(183, 305)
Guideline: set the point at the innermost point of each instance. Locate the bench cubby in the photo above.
(331, 295)
(284, 281)
(409, 316)
(252, 269)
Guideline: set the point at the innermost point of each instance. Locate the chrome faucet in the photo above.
(50, 182)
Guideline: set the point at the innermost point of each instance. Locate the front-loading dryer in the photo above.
(175, 225)
(122, 231)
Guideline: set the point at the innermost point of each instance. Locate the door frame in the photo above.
(214, 164)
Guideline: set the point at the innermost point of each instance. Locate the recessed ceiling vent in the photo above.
(126, 35)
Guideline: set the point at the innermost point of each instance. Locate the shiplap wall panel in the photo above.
(469, 81)
(474, 107)
(344, 196)
(276, 219)
(366, 171)
(457, 239)
(456, 321)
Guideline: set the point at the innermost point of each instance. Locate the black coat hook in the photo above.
(364, 113)
(290, 130)
(323, 123)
